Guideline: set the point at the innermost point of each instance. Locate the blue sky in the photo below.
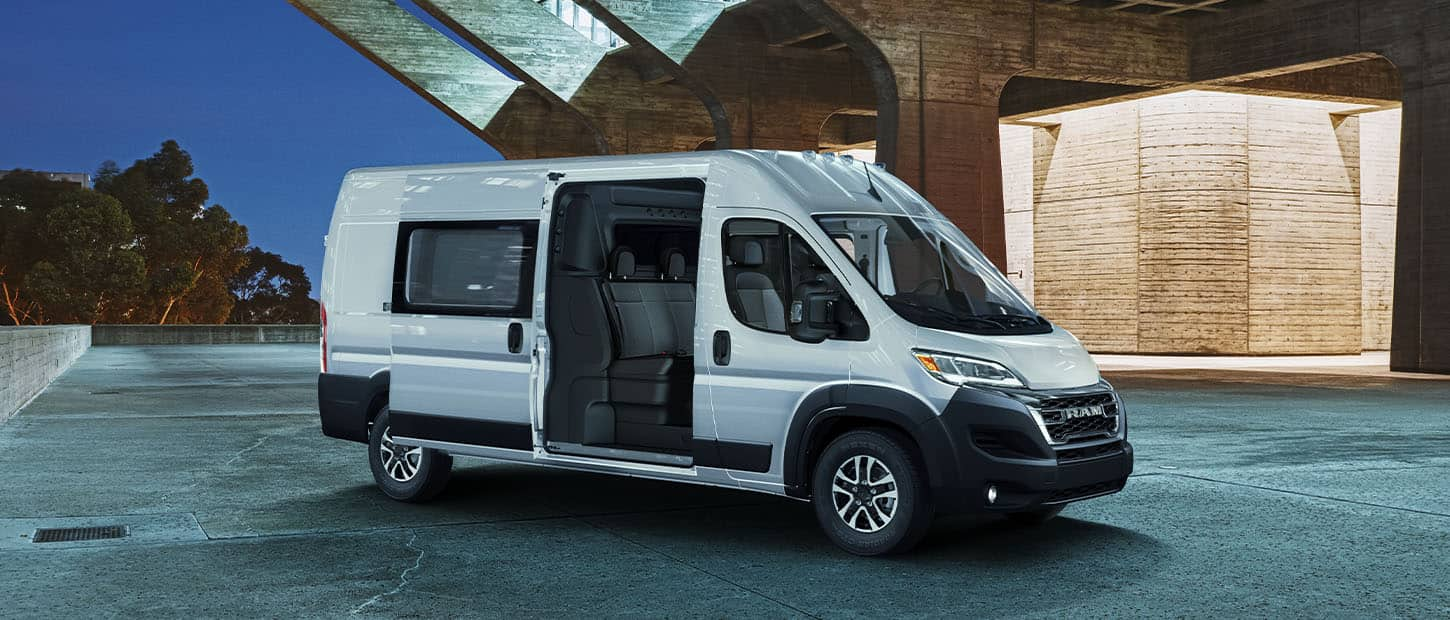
(273, 108)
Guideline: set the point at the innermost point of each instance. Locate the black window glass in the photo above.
(765, 262)
(484, 268)
(755, 273)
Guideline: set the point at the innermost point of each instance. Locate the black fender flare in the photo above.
(887, 405)
(345, 403)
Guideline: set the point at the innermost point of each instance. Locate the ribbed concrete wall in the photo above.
(1017, 205)
(32, 357)
(1209, 223)
(202, 334)
(1379, 157)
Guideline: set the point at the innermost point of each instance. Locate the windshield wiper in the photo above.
(958, 319)
(1010, 316)
(1012, 321)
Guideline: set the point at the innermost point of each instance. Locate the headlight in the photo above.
(958, 370)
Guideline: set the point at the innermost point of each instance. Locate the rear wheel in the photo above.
(870, 493)
(405, 473)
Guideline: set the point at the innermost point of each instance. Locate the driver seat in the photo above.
(760, 305)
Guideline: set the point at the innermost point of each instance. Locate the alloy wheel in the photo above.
(400, 462)
(864, 492)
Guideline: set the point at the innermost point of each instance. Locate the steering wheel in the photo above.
(932, 286)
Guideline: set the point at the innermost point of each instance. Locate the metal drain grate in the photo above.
(77, 534)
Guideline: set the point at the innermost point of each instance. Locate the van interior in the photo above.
(621, 319)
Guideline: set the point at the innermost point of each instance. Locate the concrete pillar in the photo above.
(939, 87)
(1415, 36)
(663, 34)
(1420, 339)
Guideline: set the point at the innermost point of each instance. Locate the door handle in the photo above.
(722, 348)
(516, 337)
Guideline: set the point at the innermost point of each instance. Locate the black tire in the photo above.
(1036, 516)
(431, 475)
(911, 512)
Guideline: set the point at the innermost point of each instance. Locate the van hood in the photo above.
(1051, 361)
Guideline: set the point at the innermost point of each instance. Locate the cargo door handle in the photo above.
(722, 348)
(516, 337)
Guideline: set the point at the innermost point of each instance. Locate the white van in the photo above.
(790, 323)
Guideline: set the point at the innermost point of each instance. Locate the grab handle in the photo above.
(516, 337)
(722, 348)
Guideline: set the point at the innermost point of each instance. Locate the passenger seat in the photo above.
(651, 383)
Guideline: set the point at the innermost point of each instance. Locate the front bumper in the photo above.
(1023, 485)
(994, 442)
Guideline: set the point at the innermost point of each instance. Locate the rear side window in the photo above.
(465, 268)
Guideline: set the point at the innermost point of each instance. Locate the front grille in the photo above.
(1084, 492)
(1063, 429)
(1090, 452)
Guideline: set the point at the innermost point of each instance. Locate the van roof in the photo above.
(818, 182)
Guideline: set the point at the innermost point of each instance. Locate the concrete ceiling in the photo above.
(1163, 7)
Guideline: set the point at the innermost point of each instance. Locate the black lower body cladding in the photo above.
(988, 439)
(344, 403)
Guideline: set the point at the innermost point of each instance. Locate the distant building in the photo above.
(79, 178)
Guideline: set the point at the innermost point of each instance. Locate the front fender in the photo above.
(893, 407)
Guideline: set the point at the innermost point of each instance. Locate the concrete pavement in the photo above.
(1257, 494)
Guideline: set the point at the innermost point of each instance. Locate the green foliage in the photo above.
(89, 263)
(190, 249)
(143, 247)
(271, 290)
(26, 198)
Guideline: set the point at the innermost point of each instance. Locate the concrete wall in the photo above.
(1379, 157)
(1210, 222)
(31, 357)
(103, 335)
(1017, 205)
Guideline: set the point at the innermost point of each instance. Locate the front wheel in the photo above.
(405, 473)
(870, 493)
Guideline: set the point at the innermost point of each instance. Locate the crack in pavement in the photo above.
(402, 578)
(65, 417)
(323, 533)
(1310, 495)
(205, 475)
(245, 450)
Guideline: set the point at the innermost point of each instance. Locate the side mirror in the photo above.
(814, 312)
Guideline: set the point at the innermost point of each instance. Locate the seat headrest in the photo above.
(746, 252)
(621, 263)
(672, 264)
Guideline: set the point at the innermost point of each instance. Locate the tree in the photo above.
(271, 290)
(66, 253)
(143, 247)
(190, 250)
(106, 173)
(26, 198)
(90, 262)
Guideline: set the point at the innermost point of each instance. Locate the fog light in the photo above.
(992, 494)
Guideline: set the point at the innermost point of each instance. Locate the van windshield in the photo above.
(932, 275)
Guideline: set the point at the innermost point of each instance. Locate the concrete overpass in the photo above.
(926, 83)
